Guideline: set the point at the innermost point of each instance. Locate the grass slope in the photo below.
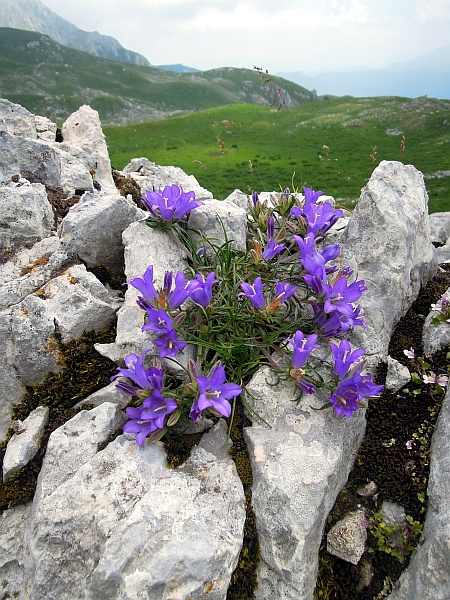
(326, 145)
(51, 80)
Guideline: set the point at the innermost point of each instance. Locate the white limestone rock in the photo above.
(440, 227)
(153, 177)
(143, 247)
(110, 393)
(16, 119)
(29, 269)
(135, 528)
(299, 465)
(101, 218)
(217, 219)
(45, 129)
(12, 560)
(84, 139)
(26, 216)
(387, 243)
(239, 198)
(23, 445)
(435, 336)
(347, 538)
(397, 375)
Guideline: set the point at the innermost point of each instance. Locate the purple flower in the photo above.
(159, 321)
(340, 323)
(170, 203)
(320, 217)
(272, 247)
(149, 417)
(302, 348)
(181, 291)
(340, 296)
(272, 250)
(283, 291)
(255, 199)
(316, 280)
(352, 390)
(214, 392)
(254, 293)
(344, 402)
(200, 290)
(344, 357)
(142, 377)
(169, 344)
(158, 407)
(145, 284)
(311, 197)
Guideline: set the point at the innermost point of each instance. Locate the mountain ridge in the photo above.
(53, 80)
(33, 15)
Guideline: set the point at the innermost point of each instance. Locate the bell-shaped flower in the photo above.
(340, 296)
(147, 379)
(302, 347)
(254, 293)
(145, 284)
(169, 344)
(170, 203)
(214, 393)
(159, 321)
(344, 357)
(200, 289)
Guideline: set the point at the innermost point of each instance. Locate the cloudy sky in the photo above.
(277, 35)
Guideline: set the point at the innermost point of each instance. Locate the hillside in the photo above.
(52, 80)
(332, 145)
(32, 15)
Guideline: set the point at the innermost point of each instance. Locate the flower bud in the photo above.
(174, 418)
(157, 435)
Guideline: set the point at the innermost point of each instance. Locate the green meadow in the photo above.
(332, 145)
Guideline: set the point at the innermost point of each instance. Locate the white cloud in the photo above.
(434, 10)
(247, 15)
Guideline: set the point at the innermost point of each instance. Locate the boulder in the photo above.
(101, 217)
(387, 242)
(134, 527)
(84, 140)
(26, 216)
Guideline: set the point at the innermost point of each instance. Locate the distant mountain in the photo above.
(52, 80)
(32, 15)
(178, 68)
(427, 75)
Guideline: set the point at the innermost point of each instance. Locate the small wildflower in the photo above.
(410, 353)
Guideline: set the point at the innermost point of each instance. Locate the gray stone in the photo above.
(299, 465)
(110, 393)
(84, 139)
(219, 221)
(435, 336)
(387, 242)
(347, 538)
(47, 161)
(397, 375)
(26, 216)
(28, 270)
(12, 560)
(440, 227)
(239, 198)
(100, 217)
(22, 447)
(428, 575)
(45, 129)
(443, 254)
(153, 177)
(135, 528)
(16, 119)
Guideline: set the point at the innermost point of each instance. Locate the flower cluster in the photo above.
(442, 310)
(235, 309)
